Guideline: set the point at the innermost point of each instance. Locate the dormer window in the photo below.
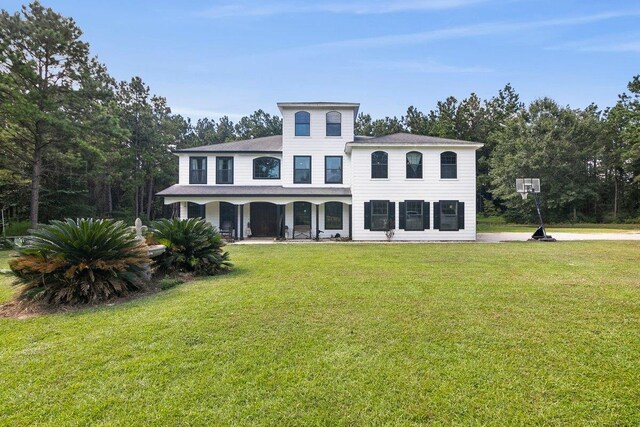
(303, 123)
(334, 123)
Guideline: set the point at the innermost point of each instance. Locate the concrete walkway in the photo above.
(561, 237)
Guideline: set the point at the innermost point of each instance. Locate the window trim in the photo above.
(191, 180)
(202, 208)
(326, 227)
(219, 170)
(455, 156)
(408, 166)
(386, 203)
(310, 216)
(406, 211)
(296, 123)
(310, 170)
(267, 157)
(327, 123)
(341, 170)
(386, 165)
(457, 205)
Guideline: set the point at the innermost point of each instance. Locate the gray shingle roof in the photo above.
(252, 190)
(268, 144)
(408, 138)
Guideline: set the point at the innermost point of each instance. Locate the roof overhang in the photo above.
(241, 194)
(243, 200)
(350, 145)
(227, 152)
(349, 105)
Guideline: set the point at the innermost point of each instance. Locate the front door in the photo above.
(264, 219)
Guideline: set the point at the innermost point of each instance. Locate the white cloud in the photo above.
(421, 67)
(473, 30)
(360, 7)
(613, 45)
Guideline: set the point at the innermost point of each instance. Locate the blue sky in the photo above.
(210, 58)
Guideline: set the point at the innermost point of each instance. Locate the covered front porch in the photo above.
(309, 213)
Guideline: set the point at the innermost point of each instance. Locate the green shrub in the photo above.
(80, 261)
(169, 282)
(193, 245)
(18, 228)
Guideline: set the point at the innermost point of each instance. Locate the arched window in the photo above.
(448, 165)
(266, 168)
(303, 123)
(334, 123)
(414, 164)
(379, 164)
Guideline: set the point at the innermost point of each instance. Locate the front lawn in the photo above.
(348, 334)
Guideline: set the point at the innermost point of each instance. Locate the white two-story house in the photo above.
(319, 179)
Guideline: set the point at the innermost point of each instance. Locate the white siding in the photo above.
(397, 188)
(242, 169)
(183, 169)
(356, 175)
(317, 145)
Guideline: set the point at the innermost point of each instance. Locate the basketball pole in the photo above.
(536, 198)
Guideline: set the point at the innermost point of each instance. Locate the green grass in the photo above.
(349, 334)
(6, 291)
(498, 225)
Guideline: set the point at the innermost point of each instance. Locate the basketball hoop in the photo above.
(526, 186)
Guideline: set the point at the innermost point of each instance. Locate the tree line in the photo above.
(76, 143)
(588, 159)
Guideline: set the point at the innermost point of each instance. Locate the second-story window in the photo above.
(197, 170)
(448, 165)
(333, 169)
(303, 123)
(302, 169)
(379, 164)
(224, 170)
(266, 168)
(414, 165)
(334, 123)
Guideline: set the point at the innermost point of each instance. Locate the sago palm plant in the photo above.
(193, 245)
(80, 261)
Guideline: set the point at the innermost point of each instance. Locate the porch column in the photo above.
(235, 214)
(350, 222)
(317, 221)
(241, 222)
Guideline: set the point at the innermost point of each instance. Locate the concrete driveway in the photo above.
(521, 237)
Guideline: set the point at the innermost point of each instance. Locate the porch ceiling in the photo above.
(238, 194)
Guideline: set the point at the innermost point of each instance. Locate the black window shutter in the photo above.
(460, 215)
(436, 215)
(403, 214)
(392, 215)
(367, 215)
(425, 215)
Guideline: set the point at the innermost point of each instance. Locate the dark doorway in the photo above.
(264, 219)
(227, 217)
